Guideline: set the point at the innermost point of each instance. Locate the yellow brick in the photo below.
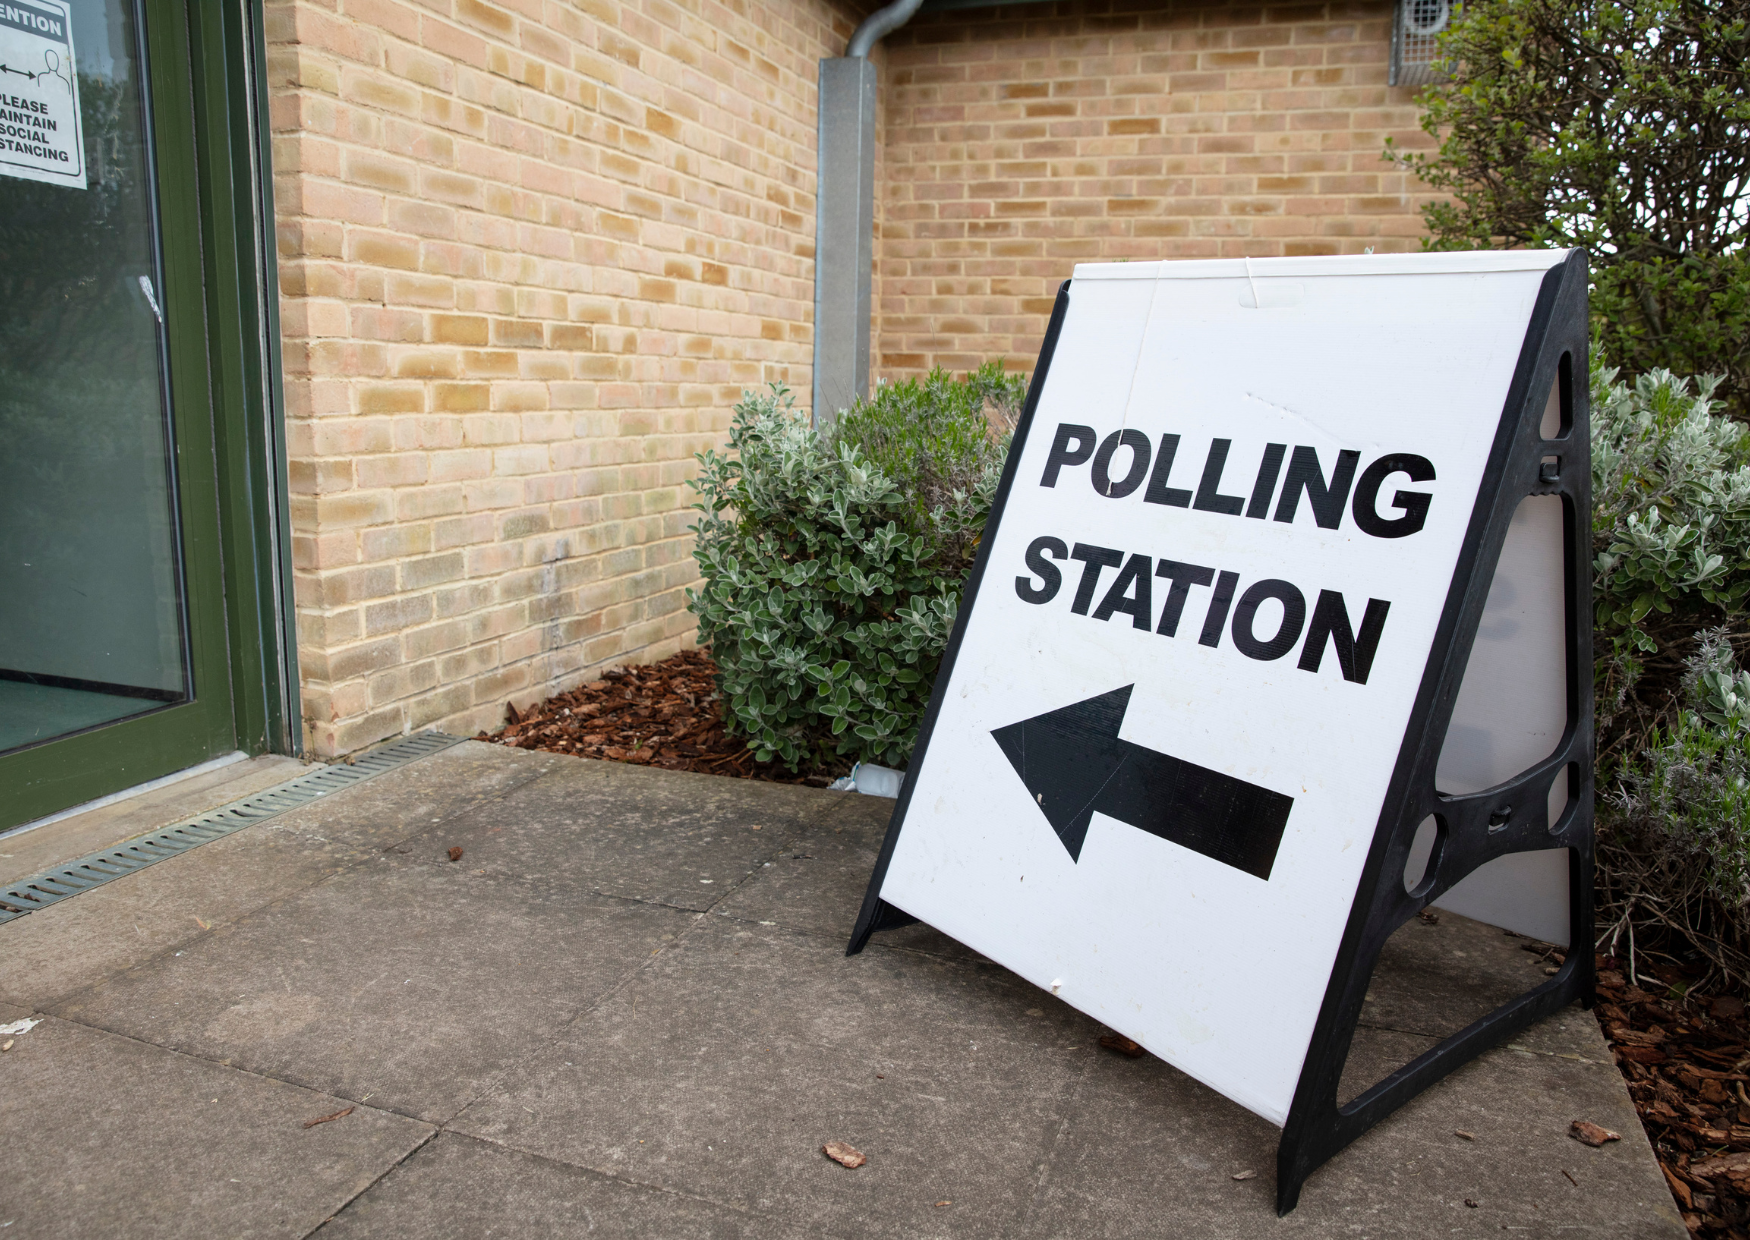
(461, 397)
(458, 329)
(492, 20)
(434, 364)
(1083, 140)
(530, 254)
(383, 250)
(572, 337)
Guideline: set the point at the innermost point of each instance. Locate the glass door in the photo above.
(112, 658)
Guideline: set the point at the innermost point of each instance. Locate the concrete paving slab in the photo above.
(1475, 969)
(10, 1012)
(1138, 1142)
(1140, 1123)
(412, 983)
(1375, 1054)
(1516, 1102)
(634, 832)
(108, 1136)
(412, 800)
(816, 883)
(457, 1188)
(54, 954)
(35, 849)
(654, 1063)
(734, 1057)
(1434, 979)
(101, 933)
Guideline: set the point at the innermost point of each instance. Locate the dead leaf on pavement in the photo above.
(455, 854)
(844, 1155)
(1245, 1175)
(1470, 1202)
(327, 1119)
(1588, 1133)
(1468, 1136)
(944, 1203)
(1123, 1045)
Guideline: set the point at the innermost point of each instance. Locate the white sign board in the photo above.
(40, 138)
(1166, 738)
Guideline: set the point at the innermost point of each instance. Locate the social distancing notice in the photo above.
(1214, 635)
(40, 137)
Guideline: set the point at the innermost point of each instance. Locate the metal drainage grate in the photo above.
(52, 886)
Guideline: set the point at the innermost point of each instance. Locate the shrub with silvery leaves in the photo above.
(1670, 507)
(1675, 828)
(1713, 685)
(1671, 535)
(833, 562)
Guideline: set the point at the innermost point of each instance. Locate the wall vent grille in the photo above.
(1415, 41)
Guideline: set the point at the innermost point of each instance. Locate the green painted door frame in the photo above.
(234, 157)
(204, 65)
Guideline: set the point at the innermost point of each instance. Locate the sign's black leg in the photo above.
(1511, 817)
(1316, 1139)
(883, 917)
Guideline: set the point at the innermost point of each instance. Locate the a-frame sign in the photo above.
(1187, 727)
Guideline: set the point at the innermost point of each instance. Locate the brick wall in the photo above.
(532, 251)
(1025, 139)
(530, 254)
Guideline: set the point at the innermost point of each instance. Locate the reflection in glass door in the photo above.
(93, 625)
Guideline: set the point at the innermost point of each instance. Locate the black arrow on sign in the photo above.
(1073, 764)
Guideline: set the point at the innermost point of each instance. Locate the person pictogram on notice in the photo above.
(52, 59)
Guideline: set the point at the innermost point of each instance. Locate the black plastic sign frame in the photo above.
(1470, 830)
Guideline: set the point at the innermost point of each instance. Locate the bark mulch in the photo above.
(663, 714)
(1686, 1066)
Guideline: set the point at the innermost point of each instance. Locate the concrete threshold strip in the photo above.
(54, 885)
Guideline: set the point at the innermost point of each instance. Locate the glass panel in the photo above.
(92, 625)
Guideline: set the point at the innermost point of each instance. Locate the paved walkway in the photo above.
(626, 1011)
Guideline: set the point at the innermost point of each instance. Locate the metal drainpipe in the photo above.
(844, 220)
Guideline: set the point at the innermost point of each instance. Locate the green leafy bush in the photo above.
(1671, 505)
(1621, 126)
(1674, 826)
(1671, 533)
(1714, 687)
(833, 562)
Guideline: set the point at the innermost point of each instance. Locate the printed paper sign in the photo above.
(1181, 690)
(40, 137)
